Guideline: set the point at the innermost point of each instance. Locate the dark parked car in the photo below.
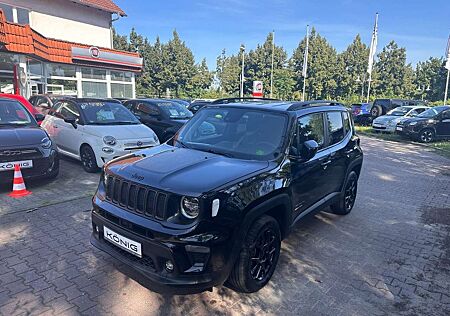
(209, 208)
(361, 113)
(195, 106)
(45, 102)
(23, 142)
(433, 124)
(382, 106)
(165, 117)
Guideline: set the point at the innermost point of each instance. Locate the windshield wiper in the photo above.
(213, 151)
(182, 144)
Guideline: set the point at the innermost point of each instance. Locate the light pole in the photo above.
(241, 94)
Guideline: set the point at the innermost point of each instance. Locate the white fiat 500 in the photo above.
(96, 131)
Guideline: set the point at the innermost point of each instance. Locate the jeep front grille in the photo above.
(140, 199)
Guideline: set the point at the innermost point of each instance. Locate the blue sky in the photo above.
(207, 27)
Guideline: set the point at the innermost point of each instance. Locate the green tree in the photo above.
(120, 42)
(351, 69)
(228, 74)
(394, 77)
(430, 79)
(201, 81)
(322, 67)
(258, 64)
(283, 83)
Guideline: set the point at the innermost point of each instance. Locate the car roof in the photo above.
(92, 100)
(158, 100)
(284, 106)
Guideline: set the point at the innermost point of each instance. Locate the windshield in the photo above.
(235, 132)
(12, 113)
(175, 110)
(400, 111)
(107, 113)
(431, 112)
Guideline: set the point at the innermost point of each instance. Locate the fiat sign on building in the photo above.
(64, 47)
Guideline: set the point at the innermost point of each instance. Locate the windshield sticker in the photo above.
(218, 116)
(105, 115)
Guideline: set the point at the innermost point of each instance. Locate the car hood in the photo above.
(122, 132)
(182, 171)
(417, 119)
(387, 118)
(21, 136)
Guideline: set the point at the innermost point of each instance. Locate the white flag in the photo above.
(373, 46)
(447, 64)
(305, 56)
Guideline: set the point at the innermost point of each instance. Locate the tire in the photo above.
(55, 172)
(376, 111)
(426, 135)
(347, 199)
(88, 159)
(258, 257)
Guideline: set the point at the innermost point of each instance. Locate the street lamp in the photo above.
(242, 48)
(358, 80)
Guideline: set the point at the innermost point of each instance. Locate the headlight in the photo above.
(46, 143)
(190, 207)
(412, 123)
(109, 140)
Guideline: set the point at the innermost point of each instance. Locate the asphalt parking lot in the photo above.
(391, 255)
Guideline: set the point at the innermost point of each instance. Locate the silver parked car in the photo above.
(387, 123)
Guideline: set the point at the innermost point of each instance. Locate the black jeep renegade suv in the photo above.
(213, 204)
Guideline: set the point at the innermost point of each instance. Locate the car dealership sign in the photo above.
(257, 89)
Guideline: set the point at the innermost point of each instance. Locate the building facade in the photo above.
(64, 47)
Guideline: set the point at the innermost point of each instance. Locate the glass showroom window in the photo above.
(92, 89)
(120, 90)
(121, 76)
(61, 79)
(6, 73)
(93, 73)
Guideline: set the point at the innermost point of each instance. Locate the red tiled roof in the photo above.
(23, 39)
(105, 5)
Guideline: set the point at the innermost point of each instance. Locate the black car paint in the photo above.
(163, 125)
(439, 125)
(284, 188)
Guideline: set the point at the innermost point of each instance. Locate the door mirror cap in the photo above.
(39, 117)
(71, 120)
(309, 150)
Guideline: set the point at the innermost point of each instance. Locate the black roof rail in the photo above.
(299, 105)
(236, 100)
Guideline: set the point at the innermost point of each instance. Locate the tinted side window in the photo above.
(310, 127)
(347, 124)
(335, 127)
(143, 108)
(446, 115)
(69, 110)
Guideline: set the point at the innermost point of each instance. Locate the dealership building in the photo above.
(64, 47)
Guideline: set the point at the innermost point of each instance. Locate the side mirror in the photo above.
(39, 117)
(309, 150)
(71, 120)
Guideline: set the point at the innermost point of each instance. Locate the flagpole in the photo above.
(447, 66)
(271, 72)
(446, 87)
(305, 62)
(373, 49)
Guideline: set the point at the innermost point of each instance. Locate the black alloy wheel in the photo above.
(263, 255)
(348, 197)
(426, 136)
(350, 194)
(88, 159)
(258, 257)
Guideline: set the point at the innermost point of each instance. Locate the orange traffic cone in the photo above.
(19, 188)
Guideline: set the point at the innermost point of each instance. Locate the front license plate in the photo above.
(125, 243)
(24, 164)
(399, 128)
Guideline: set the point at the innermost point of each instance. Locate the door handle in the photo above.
(325, 164)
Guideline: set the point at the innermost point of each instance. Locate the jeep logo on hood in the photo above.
(137, 177)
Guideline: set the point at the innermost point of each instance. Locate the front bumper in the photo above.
(197, 265)
(384, 128)
(43, 166)
(407, 131)
(103, 157)
(364, 119)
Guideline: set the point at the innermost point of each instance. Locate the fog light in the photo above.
(169, 266)
(107, 150)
